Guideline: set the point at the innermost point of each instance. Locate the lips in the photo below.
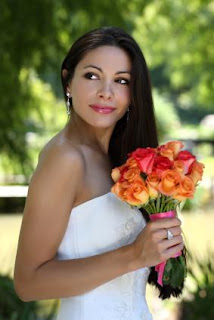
(102, 109)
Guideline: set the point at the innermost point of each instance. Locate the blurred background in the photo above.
(177, 39)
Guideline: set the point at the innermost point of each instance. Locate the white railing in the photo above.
(13, 191)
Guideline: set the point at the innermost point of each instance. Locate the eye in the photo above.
(89, 75)
(123, 81)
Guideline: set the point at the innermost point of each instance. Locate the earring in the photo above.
(68, 104)
(127, 118)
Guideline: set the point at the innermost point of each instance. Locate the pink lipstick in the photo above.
(102, 109)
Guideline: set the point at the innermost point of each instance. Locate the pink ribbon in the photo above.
(160, 270)
(161, 266)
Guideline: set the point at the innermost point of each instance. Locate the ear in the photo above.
(64, 75)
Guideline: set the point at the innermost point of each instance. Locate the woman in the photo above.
(78, 241)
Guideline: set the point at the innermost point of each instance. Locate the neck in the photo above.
(84, 133)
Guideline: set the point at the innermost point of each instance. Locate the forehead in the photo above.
(109, 57)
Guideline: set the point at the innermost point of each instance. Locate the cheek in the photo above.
(125, 95)
(82, 91)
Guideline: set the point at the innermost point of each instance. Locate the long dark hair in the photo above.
(140, 130)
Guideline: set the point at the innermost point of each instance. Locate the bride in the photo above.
(78, 241)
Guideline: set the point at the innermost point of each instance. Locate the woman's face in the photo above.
(100, 87)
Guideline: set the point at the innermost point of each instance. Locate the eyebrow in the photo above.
(92, 66)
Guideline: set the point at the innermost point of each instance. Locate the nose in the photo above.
(105, 91)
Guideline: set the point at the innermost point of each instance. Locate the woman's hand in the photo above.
(152, 247)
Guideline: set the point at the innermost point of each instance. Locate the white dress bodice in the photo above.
(99, 225)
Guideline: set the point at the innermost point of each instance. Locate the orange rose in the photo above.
(187, 158)
(153, 192)
(132, 174)
(137, 194)
(185, 189)
(171, 149)
(168, 153)
(118, 172)
(196, 171)
(169, 181)
(115, 174)
(119, 188)
(152, 184)
(153, 180)
(179, 166)
(134, 194)
(132, 163)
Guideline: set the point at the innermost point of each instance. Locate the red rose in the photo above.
(161, 164)
(145, 158)
(187, 159)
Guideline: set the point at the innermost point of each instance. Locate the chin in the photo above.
(99, 122)
(103, 123)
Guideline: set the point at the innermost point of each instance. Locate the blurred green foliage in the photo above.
(199, 305)
(176, 39)
(201, 199)
(166, 125)
(12, 308)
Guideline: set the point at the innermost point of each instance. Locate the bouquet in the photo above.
(158, 180)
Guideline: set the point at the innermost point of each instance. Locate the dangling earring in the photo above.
(127, 118)
(68, 104)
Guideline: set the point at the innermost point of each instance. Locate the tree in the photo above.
(177, 38)
(37, 35)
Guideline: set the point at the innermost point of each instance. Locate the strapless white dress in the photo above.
(99, 225)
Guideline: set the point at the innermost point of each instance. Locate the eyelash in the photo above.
(89, 74)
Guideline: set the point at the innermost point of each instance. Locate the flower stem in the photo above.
(158, 203)
(153, 207)
(148, 208)
(162, 203)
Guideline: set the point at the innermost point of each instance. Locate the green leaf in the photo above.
(174, 272)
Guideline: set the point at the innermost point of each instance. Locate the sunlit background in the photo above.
(177, 39)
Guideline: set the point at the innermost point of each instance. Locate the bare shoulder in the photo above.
(52, 192)
(60, 158)
(57, 179)
(61, 152)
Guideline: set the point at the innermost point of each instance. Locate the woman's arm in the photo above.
(52, 192)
